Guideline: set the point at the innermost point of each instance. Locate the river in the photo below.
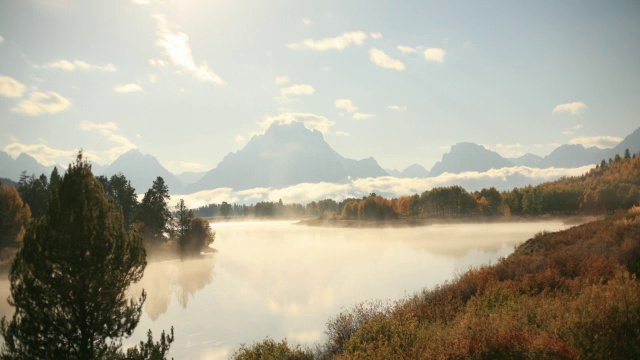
(280, 280)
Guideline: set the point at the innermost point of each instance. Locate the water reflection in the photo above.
(182, 278)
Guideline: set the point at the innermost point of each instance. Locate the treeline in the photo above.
(152, 217)
(612, 185)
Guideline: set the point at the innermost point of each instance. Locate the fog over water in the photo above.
(282, 280)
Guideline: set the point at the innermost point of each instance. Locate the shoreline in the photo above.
(404, 223)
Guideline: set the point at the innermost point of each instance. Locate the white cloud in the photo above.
(39, 103)
(505, 178)
(157, 62)
(11, 87)
(311, 121)
(342, 133)
(376, 35)
(434, 54)
(339, 42)
(1, 39)
(381, 59)
(127, 88)
(111, 132)
(42, 153)
(602, 142)
(175, 45)
(362, 116)
(72, 65)
(307, 21)
(240, 138)
(297, 90)
(152, 78)
(573, 108)
(407, 49)
(345, 104)
(396, 108)
(281, 80)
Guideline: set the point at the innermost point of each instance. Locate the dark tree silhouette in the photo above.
(69, 281)
(154, 212)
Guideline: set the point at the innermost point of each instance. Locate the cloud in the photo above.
(381, 59)
(434, 54)
(110, 131)
(42, 153)
(311, 121)
(157, 62)
(407, 49)
(1, 39)
(72, 65)
(362, 116)
(376, 35)
(345, 104)
(39, 103)
(602, 142)
(11, 87)
(307, 21)
(502, 179)
(127, 88)
(339, 42)
(175, 45)
(396, 108)
(297, 90)
(573, 108)
(342, 133)
(281, 80)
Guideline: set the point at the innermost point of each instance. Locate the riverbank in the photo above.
(414, 222)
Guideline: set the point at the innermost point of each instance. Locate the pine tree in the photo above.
(154, 212)
(69, 281)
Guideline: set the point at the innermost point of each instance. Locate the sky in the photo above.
(189, 81)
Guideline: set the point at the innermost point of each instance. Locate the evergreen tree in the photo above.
(193, 234)
(627, 154)
(54, 179)
(69, 281)
(35, 192)
(124, 195)
(183, 219)
(154, 213)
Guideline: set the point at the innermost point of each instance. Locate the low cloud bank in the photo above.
(388, 186)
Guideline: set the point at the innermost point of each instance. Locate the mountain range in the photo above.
(289, 154)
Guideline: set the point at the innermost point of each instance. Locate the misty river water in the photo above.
(283, 280)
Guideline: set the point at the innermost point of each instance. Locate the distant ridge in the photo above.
(465, 157)
(286, 154)
(142, 170)
(291, 154)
